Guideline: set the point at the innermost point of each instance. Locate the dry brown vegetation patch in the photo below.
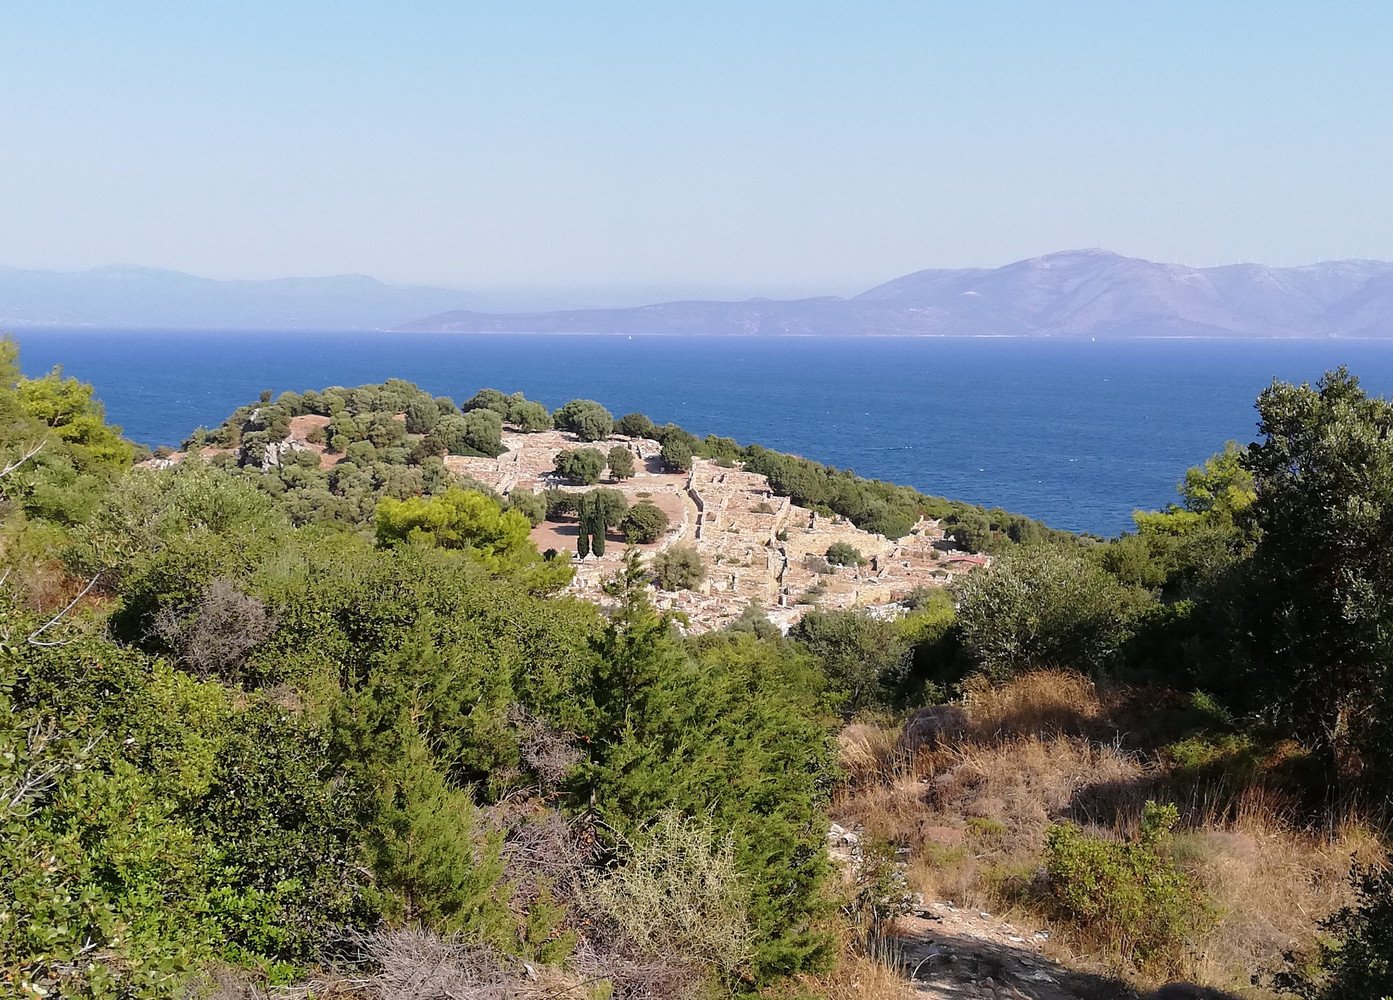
(968, 792)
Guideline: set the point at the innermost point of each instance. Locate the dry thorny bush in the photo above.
(214, 637)
(970, 789)
(415, 964)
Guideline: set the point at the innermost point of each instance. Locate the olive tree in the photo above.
(585, 418)
(678, 568)
(621, 462)
(581, 465)
(644, 523)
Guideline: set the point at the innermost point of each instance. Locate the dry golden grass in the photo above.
(1044, 703)
(1272, 884)
(973, 808)
(855, 978)
(867, 752)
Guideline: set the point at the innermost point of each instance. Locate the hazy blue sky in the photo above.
(750, 147)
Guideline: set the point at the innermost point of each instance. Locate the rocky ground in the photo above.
(953, 954)
(950, 953)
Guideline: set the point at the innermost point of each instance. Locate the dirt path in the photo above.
(949, 953)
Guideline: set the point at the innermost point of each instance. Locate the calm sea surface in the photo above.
(1077, 434)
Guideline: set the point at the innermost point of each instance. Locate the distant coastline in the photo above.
(1067, 295)
(1073, 433)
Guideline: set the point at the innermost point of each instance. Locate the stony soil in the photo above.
(950, 953)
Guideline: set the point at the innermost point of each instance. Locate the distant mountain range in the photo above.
(145, 297)
(1079, 293)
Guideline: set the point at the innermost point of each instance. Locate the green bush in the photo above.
(1045, 606)
(581, 465)
(532, 506)
(585, 418)
(845, 554)
(644, 523)
(1354, 960)
(678, 568)
(1130, 894)
(635, 425)
(621, 462)
(677, 456)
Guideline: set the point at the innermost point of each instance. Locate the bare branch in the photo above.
(34, 635)
(11, 466)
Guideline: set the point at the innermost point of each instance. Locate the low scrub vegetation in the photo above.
(1054, 798)
(271, 722)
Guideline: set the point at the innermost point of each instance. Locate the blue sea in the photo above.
(1075, 433)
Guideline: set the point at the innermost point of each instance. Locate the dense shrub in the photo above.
(678, 568)
(584, 418)
(1354, 960)
(844, 554)
(677, 456)
(635, 425)
(621, 462)
(1045, 606)
(644, 523)
(532, 506)
(863, 657)
(581, 465)
(1130, 894)
(728, 728)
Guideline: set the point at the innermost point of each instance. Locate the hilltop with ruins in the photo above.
(756, 547)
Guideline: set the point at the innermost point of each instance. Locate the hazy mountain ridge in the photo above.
(150, 297)
(1069, 294)
(1078, 293)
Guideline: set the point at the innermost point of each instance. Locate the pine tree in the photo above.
(429, 855)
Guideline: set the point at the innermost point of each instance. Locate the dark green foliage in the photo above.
(174, 825)
(678, 568)
(598, 511)
(1045, 606)
(672, 433)
(730, 730)
(431, 860)
(863, 657)
(754, 621)
(621, 462)
(527, 416)
(1355, 961)
(581, 465)
(516, 409)
(559, 503)
(532, 506)
(585, 418)
(487, 399)
(890, 510)
(1321, 574)
(644, 523)
(422, 415)
(446, 406)
(283, 853)
(722, 450)
(845, 554)
(635, 425)
(677, 456)
(478, 432)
